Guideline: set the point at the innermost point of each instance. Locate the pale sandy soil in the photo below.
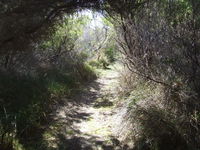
(88, 121)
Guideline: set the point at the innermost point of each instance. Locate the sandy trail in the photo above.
(87, 121)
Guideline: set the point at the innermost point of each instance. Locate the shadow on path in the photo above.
(85, 121)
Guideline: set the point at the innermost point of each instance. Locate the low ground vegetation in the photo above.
(44, 57)
(33, 85)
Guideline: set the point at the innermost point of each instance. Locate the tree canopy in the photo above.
(47, 50)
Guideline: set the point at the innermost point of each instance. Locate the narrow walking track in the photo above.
(87, 121)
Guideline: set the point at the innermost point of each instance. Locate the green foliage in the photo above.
(159, 131)
(104, 63)
(60, 83)
(26, 101)
(83, 56)
(161, 42)
(107, 22)
(94, 63)
(89, 72)
(37, 24)
(110, 53)
(100, 64)
(66, 33)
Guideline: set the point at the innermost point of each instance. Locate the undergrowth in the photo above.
(27, 102)
(149, 123)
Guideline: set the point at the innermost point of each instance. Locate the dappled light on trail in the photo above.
(87, 121)
(99, 75)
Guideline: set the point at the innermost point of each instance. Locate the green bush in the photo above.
(94, 63)
(25, 101)
(110, 53)
(158, 130)
(102, 63)
(85, 72)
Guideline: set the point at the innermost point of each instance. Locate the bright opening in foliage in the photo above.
(99, 74)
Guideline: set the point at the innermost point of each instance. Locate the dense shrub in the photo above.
(160, 44)
(110, 53)
(158, 39)
(33, 83)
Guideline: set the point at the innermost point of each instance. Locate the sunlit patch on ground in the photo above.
(88, 123)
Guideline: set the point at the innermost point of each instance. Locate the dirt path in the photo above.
(86, 122)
